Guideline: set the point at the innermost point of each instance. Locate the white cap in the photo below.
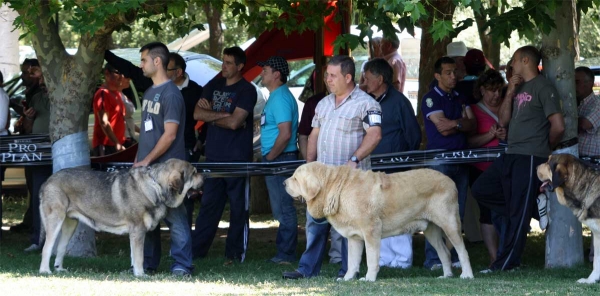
(456, 49)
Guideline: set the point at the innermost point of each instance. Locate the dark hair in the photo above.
(532, 53)
(283, 78)
(443, 60)
(588, 73)
(31, 62)
(178, 60)
(346, 64)
(108, 67)
(490, 79)
(157, 49)
(1, 78)
(237, 53)
(380, 67)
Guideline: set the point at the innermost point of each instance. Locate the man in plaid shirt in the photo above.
(346, 129)
(588, 108)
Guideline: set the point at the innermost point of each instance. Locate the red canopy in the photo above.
(294, 46)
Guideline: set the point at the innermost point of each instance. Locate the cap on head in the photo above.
(277, 63)
(456, 49)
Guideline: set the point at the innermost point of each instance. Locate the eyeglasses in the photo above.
(173, 69)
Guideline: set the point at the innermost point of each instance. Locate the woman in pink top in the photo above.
(487, 91)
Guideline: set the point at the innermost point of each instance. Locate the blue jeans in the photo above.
(181, 242)
(284, 211)
(460, 175)
(317, 234)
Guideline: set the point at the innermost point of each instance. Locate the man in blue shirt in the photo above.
(279, 124)
(447, 121)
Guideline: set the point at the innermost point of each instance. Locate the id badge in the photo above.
(148, 125)
(263, 119)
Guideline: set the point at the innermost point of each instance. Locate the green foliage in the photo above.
(529, 19)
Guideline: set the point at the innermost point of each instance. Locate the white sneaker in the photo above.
(542, 203)
(456, 265)
(436, 266)
(32, 248)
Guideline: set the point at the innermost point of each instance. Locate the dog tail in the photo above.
(42, 237)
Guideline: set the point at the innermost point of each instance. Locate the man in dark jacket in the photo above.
(400, 132)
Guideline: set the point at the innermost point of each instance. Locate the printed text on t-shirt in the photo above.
(222, 101)
(151, 107)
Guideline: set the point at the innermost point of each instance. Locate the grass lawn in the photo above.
(106, 274)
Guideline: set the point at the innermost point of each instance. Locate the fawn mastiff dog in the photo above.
(128, 201)
(365, 207)
(577, 186)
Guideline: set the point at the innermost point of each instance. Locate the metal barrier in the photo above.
(31, 150)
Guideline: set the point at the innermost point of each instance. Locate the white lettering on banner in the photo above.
(458, 154)
(21, 157)
(22, 148)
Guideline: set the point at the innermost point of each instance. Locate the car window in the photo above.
(301, 77)
(202, 70)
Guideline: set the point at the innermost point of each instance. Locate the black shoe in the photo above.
(178, 272)
(293, 275)
(21, 228)
(279, 261)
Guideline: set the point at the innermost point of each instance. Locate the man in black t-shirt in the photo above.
(226, 105)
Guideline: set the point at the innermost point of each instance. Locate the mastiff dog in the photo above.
(366, 206)
(577, 186)
(128, 201)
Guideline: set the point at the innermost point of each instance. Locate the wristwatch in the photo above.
(458, 125)
(354, 159)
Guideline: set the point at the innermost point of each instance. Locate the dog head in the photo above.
(311, 182)
(176, 177)
(555, 172)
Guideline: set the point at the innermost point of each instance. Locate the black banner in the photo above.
(25, 150)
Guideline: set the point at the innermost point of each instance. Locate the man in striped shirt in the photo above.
(346, 129)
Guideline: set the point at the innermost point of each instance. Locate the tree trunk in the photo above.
(71, 81)
(564, 246)
(490, 49)
(430, 51)
(9, 56)
(213, 13)
(259, 196)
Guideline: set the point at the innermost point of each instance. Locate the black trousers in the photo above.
(509, 188)
(38, 177)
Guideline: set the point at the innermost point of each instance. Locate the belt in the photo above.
(290, 153)
(567, 143)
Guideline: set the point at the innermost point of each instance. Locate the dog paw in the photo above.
(466, 276)
(60, 269)
(45, 271)
(448, 275)
(586, 281)
(364, 279)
